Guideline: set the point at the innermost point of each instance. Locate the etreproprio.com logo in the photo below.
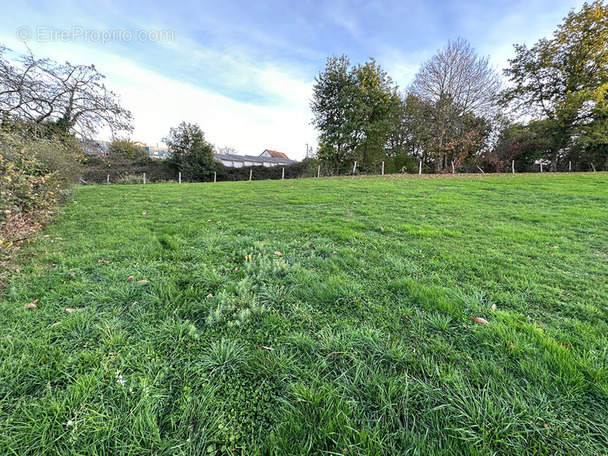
(46, 34)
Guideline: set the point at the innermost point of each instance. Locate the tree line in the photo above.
(458, 115)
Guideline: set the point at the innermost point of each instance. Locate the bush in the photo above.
(293, 171)
(35, 173)
(126, 170)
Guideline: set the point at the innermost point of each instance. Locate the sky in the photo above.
(244, 70)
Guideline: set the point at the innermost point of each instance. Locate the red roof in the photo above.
(275, 154)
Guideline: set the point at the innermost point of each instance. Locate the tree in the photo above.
(191, 154)
(517, 142)
(456, 91)
(65, 97)
(125, 148)
(227, 150)
(353, 110)
(564, 79)
(456, 73)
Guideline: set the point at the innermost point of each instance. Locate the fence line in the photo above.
(132, 178)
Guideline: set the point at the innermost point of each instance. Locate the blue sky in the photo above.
(244, 70)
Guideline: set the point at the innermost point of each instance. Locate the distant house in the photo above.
(273, 154)
(95, 147)
(158, 152)
(267, 158)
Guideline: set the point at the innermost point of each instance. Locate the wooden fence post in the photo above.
(513, 166)
(144, 178)
(283, 174)
(180, 177)
(215, 177)
(108, 180)
(319, 171)
(250, 174)
(355, 167)
(453, 169)
(420, 167)
(383, 168)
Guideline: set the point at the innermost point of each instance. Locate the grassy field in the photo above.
(320, 316)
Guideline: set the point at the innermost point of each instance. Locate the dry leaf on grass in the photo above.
(142, 281)
(32, 305)
(104, 261)
(263, 347)
(69, 310)
(277, 253)
(511, 346)
(493, 306)
(480, 320)
(130, 278)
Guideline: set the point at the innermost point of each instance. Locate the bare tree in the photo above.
(228, 150)
(458, 74)
(71, 96)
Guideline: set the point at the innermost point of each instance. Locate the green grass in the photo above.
(356, 339)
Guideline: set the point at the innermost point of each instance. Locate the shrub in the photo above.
(35, 173)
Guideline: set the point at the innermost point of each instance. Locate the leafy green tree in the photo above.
(516, 141)
(353, 109)
(191, 154)
(124, 148)
(564, 79)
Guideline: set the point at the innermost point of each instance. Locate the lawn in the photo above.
(316, 316)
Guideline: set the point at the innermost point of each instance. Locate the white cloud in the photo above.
(158, 102)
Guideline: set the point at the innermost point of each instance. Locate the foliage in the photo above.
(35, 173)
(125, 170)
(71, 98)
(564, 79)
(453, 96)
(353, 110)
(523, 143)
(365, 344)
(293, 171)
(191, 154)
(125, 148)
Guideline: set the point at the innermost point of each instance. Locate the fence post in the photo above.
(144, 178)
(453, 169)
(108, 180)
(180, 177)
(355, 167)
(250, 174)
(513, 166)
(569, 166)
(283, 174)
(319, 171)
(541, 167)
(383, 168)
(215, 177)
(420, 167)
